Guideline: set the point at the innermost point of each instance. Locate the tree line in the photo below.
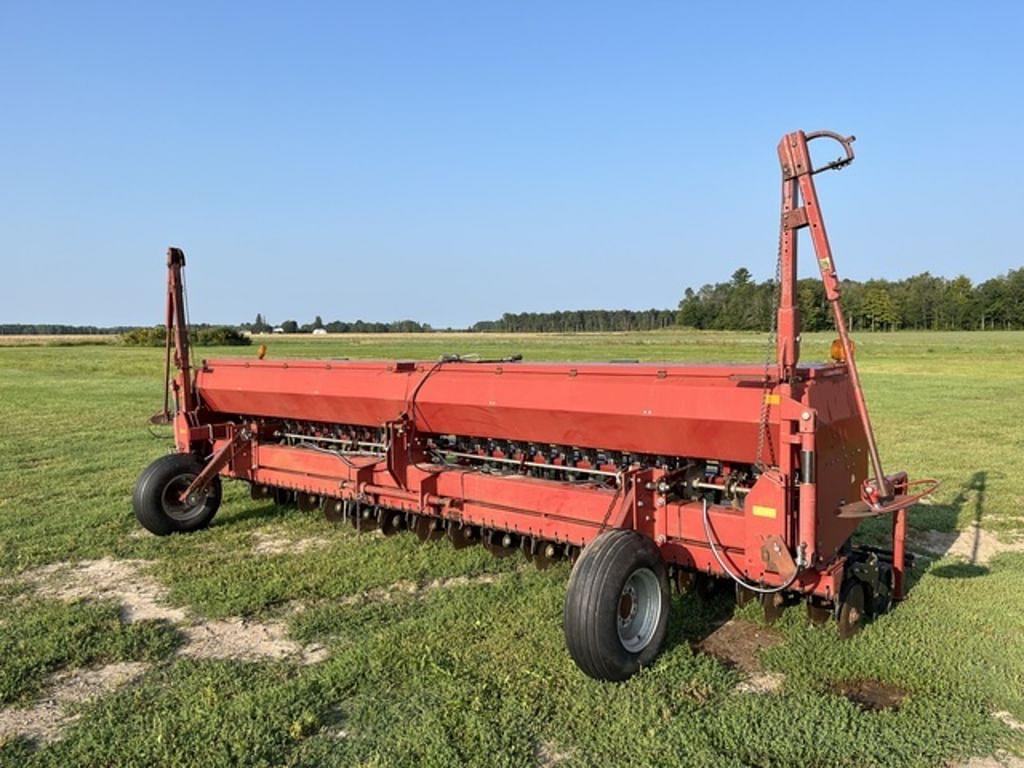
(580, 321)
(51, 329)
(336, 326)
(921, 302)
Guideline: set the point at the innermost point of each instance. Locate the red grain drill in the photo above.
(642, 474)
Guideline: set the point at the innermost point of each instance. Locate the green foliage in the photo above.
(476, 673)
(38, 637)
(154, 336)
(53, 329)
(337, 326)
(201, 335)
(921, 302)
(878, 309)
(260, 326)
(580, 321)
(221, 336)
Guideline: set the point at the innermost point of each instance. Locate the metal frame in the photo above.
(789, 529)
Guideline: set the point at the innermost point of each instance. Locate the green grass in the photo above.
(38, 637)
(477, 674)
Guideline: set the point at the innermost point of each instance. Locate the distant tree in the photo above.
(879, 309)
(290, 326)
(810, 295)
(1015, 298)
(853, 301)
(991, 303)
(691, 310)
(741, 277)
(919, 298)
(261, 325)
(318, 323)
(960, 302)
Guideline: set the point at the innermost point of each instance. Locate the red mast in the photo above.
(798, 186)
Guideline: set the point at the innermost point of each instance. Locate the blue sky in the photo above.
(450, 161)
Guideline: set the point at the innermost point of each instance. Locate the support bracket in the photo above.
(217, 462)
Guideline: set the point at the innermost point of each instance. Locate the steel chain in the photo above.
(762, 431)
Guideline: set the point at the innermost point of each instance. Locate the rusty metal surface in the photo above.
(776, 557)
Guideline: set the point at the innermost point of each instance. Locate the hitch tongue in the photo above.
(217, 462)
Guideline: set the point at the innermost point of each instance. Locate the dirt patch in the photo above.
(46, 719)
(141, 597)
(245, 641)
(738, 643)
(548, 755)
(998, 760)
(977, 546)
(1009, 720)
(270, 544)
(762, 682)
(872, 695)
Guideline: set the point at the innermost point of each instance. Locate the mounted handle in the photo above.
(845, 141)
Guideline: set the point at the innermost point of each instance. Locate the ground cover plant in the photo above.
(277, 638)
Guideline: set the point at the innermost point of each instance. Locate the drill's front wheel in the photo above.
(156, 499)
(617, 605)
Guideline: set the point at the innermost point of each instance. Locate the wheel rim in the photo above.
(178, 510)
(639, 610)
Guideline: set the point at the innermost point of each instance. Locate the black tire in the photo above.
(597, 601)
(154, 498)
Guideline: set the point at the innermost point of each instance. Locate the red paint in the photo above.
(817, 449)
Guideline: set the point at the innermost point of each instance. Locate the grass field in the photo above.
(275, 638)
(57, 340)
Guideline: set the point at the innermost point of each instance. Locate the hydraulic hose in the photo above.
(739, 579)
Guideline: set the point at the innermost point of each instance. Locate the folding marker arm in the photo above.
(176, 341)
(882, 494)
(798, 186)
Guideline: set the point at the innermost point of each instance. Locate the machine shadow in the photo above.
(239, 514)
(694, 618)
(944, 517)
